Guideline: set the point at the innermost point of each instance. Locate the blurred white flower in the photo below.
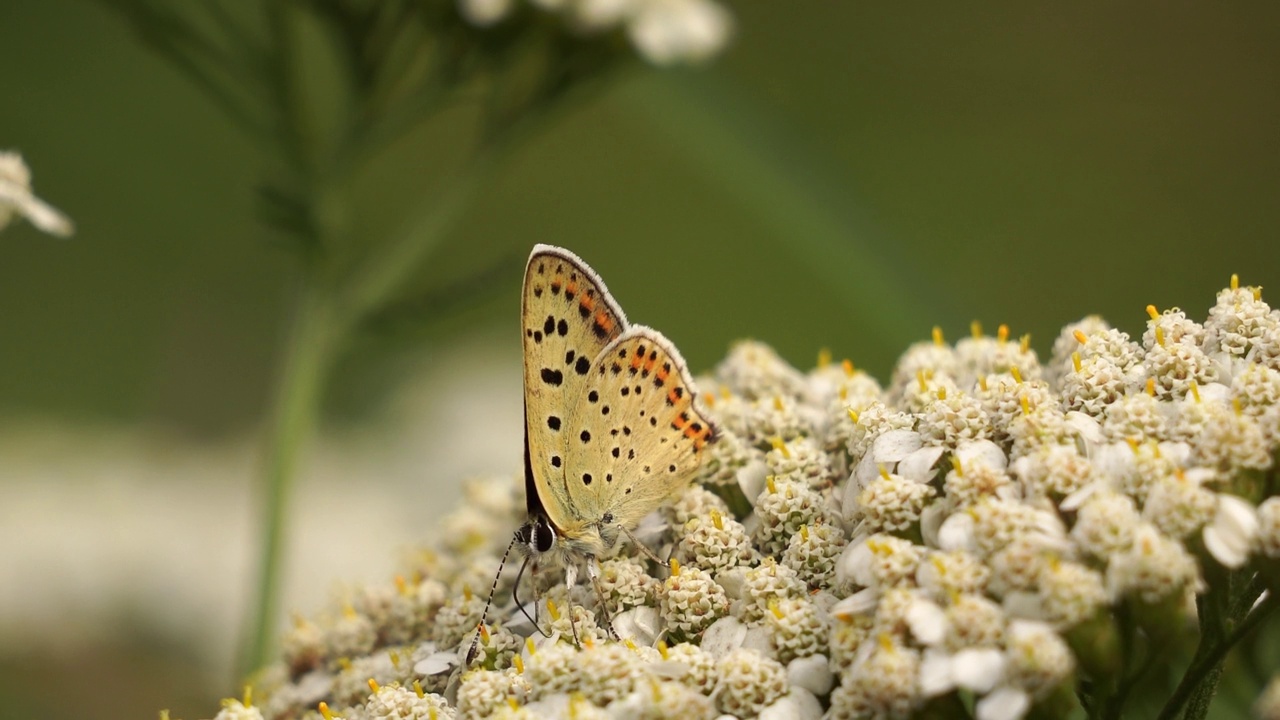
(666, 32)
(483, 13)
(1231, 535)
(16, 198)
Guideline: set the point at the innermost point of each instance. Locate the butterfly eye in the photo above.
(543, 536)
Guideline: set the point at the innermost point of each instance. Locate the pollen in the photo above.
(853, 414)
(937, 336)
(781, 447)
(975, 329)
(884, 472)
(551, 608)
(1160, 336)
(1195, 390)
(1152, 312)
(1016, 373)
(325, 712)
(773, 608)
(417, 688)
(373, 685)
(1075, 360)
(824, 357)
(675, 567)
(1235, 282)
(1002, 333)
(1024, 342)
(717, 519)
(1080, 337)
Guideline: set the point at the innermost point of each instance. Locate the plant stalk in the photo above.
(309, 351)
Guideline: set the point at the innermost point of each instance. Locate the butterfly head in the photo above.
(540, 539)
(536, 536)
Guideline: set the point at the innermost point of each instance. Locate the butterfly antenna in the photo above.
(484, 615)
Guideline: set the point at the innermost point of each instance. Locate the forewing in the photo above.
(636, 435)
(567, 319)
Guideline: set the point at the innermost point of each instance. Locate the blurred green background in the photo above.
(846, 176)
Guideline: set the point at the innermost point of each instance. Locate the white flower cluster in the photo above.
(663, 32)
(16, 199)
(984, 530)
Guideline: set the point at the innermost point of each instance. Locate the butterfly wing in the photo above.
(636, 433)
(567, 319)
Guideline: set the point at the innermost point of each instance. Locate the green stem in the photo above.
(324, 320)
(1201, 678)
(308, 354)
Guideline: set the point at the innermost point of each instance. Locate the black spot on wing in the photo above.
(568, 357)
(549, 325)
(593, 396)
(586, 478)
(555, 461)
(586, 437)
(552, 377)
(553, 422)
(582, 366)
(562, 328)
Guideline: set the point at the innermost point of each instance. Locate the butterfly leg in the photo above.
(571, 579)
(593, 571)
(644, 549)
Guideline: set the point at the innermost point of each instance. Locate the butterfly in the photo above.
(613, 425)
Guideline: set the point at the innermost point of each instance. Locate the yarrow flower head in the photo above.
(984, 530)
